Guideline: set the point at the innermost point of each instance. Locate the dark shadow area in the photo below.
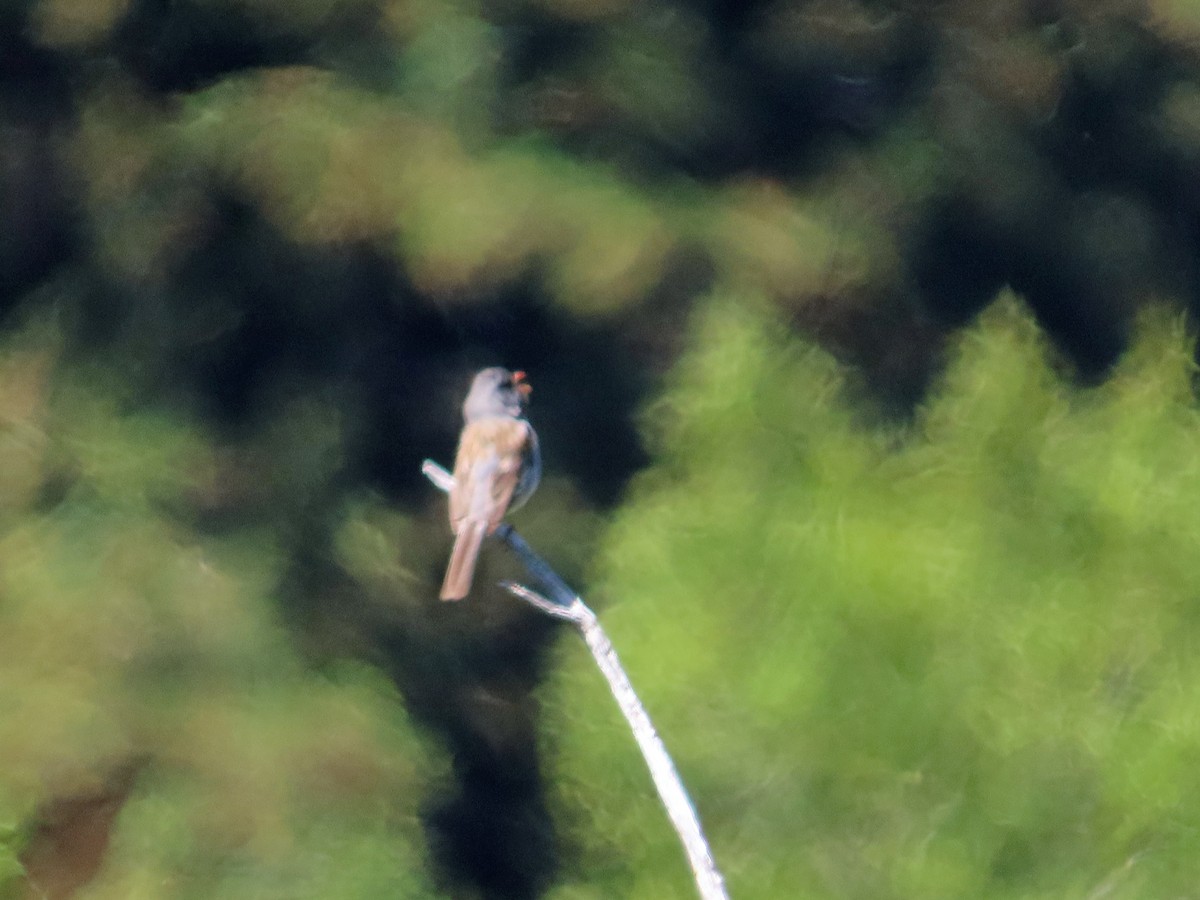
(38, 226)
(176, 45)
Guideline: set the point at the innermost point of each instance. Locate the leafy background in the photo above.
(861, 337)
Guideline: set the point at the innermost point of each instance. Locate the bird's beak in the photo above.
(523, 387)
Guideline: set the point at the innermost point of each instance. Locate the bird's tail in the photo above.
(461, 570)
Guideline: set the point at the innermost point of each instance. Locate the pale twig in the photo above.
(563, 603)
(442, 480)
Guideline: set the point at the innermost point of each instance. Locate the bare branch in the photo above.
(565, 604)
(442, 480)
(549, 607)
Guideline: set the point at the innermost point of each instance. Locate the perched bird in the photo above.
(498, 466)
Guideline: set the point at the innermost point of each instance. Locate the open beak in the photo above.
(523, 387)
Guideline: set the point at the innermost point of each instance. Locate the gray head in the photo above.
(496, 392)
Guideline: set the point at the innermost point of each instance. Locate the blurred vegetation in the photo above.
(904, 576)
(145, 666)
(953, 662)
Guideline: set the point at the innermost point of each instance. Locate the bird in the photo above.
(497, 468)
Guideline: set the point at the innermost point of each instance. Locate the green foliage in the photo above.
(948, 661)
(328, 163)
(1180, 18)
(12, 873)
(303, 788)
(130, 639)
(955, 662)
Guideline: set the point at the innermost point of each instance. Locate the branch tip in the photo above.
(441, 478)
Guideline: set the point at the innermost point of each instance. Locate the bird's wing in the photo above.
(490, 455)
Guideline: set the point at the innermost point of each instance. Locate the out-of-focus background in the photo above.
(860, 336)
